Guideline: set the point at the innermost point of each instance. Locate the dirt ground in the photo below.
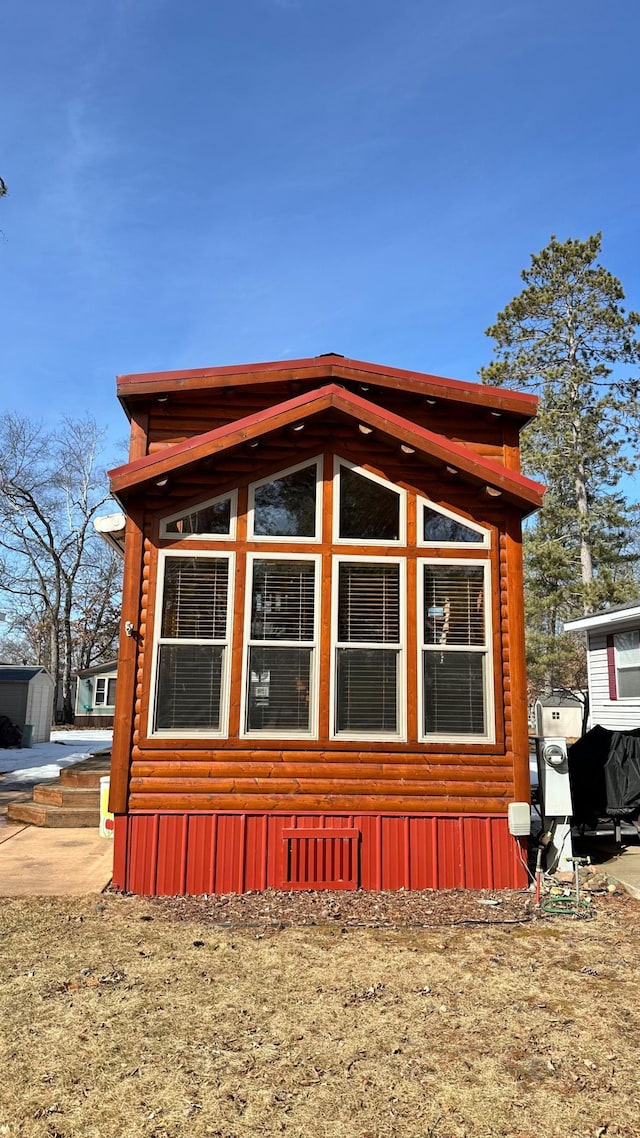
(426, 1015)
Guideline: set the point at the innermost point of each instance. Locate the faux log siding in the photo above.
(317, 774)
(195, 853)
(181, 418)
(385, 777)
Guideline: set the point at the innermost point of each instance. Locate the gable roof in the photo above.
(559, 699)
(110, 666)
(331, 397)
(11, 674)
(320, 369)
(618, 615)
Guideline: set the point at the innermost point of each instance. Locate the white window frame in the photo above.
(200, 732)
(400, 735)
(619, 669)
(485, 650)
(232, 496)
(388, 542)
(285, 539)
(484, 535)
(105, 680)
(314, 645)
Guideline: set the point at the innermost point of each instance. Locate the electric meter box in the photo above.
(553, 770)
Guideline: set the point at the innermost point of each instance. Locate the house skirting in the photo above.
(105, 721)
(171, 853)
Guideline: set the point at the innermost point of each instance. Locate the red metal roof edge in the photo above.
(457, 388)
(453, 448)
(313, 402)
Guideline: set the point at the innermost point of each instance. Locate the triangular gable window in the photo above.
(215, 518)
(286, 505)
(442, 527)
(369, 509)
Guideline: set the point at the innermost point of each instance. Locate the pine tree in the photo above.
(567, 337)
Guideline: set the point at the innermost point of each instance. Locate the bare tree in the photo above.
(51, 486)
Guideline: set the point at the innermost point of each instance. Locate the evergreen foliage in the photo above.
(567, 337)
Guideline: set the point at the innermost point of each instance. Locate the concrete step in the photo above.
(39, 814)
(53, 794)
(72, 799)
(84, 775)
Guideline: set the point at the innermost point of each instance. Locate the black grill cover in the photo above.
(604, 774)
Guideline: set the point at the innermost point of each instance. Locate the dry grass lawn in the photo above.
(118, 1019)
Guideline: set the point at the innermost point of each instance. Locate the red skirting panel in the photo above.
(175, 853)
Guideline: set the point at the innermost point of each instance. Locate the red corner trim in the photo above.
(611, 668)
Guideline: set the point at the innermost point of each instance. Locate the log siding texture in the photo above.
(197, 814)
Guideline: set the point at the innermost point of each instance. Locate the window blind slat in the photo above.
(454, 605)
(189, 686)
(278, 689)
(283, 600)
(454, 693)
(368, 603)
(195, 598)
(367, 689)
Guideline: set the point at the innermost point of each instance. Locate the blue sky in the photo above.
(220, 181)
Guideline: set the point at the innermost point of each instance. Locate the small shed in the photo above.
(559, 713)
(96, 695)
(321, 666)
(613, 665)
(26, 697)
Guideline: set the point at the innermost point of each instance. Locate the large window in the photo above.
(286, 506)
(627, 653)
(455, 688)
(277, 685)
(439, 527)
(282, 645)
(215, 518)
(368, 509)
(191, 661)
(369, 635)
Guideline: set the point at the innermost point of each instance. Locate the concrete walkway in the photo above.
(625, 868)
(40, 862)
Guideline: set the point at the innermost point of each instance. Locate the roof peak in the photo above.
(323, 368)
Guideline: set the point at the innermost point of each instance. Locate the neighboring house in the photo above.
(96, 695)
(26, 698)
(321, 675)
(559, 713)
(613, 662)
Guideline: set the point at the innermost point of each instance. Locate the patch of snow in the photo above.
(45, 760)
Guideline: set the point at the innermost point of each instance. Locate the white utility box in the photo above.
(555, 799)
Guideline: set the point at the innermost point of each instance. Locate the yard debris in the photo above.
(274, 910)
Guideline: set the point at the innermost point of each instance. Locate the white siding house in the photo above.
(613, 662)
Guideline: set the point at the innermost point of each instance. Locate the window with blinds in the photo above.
(455, 654)
(282, 646)
(211, 519)
(368, 639)
(193, 644)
